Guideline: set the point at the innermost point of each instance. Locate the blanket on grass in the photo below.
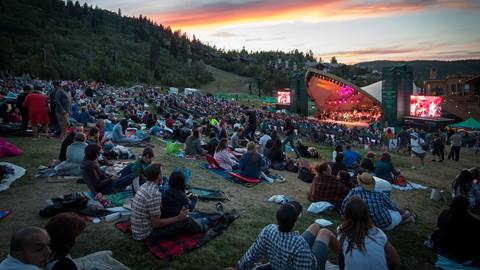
(7, 149)
(410, 185)
(14, 173)
(101, 260)
(172, 248)
(224, 174)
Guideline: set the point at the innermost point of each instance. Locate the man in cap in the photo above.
(381, 209)
(287, 249)
(29, 250)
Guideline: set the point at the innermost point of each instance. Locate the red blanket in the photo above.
(8, 149)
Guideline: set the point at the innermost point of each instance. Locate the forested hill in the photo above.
(422, 67)
(56, 39)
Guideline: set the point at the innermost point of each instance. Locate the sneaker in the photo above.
(219, 207)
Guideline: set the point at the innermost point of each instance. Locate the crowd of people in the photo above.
(90, 118)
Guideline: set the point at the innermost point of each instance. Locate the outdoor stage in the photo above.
(344, 123)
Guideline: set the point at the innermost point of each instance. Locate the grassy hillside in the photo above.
(226, 82)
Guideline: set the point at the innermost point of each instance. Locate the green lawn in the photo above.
(28, 195)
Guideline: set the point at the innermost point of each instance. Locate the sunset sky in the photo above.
(352, 30)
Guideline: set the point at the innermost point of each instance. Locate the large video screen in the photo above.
(425, 106)
(283, 97)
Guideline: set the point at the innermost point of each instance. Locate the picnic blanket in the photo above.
(9, 178)
(227, 176)
(7, 149)
(101, 260)
(4, 214)
(410, 185)
(206, 194)
(170, 249)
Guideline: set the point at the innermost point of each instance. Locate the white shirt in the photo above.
(417, 145)
(10, 263)
(263, 140)
(374, 256)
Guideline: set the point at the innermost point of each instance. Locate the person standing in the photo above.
(252, 125)
(417, 144)
(455, 145)
(37, 106)
(23, 110)
(63, 103)
(438, 148)
(289, 131)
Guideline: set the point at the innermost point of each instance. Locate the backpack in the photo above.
(400, 181)
(305, 175)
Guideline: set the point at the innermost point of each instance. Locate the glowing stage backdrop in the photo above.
(425, 106)
(283, 97)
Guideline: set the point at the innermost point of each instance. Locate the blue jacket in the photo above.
(350, 157)
(250, 168)
(385, 170)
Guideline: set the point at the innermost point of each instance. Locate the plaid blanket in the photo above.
(169, 249)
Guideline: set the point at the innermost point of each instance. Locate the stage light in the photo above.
(358, 100)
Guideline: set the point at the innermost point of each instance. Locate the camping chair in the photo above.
(213, 164)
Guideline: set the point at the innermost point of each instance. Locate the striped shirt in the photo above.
(146, 204)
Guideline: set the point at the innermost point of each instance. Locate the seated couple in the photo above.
(34, 248)
(156, 216)
(360, 245)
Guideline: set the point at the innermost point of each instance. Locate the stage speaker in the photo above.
(397, 86)
(299, 95)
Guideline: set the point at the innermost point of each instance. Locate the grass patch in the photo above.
(226, 82)
(28, 195)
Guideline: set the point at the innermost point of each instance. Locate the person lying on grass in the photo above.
(285, 248)
(29, 250)
(364, 246)
(147, 221)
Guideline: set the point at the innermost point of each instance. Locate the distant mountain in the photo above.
(422, 67)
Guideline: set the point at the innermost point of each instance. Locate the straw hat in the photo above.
(366, 181)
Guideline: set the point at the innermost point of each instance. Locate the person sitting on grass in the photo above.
(384, 168)
(64, 230)
(364, 246)
(350, 156)
(212, 144)
(326, 187)
(464, 185)
(175, 198)
(69, 140)
(276, 156)
(383, 212)
(368, 162)
(96, 180)
(252, 164)
(338, 165)
(139, 166)
(238, 140)
(93, 136)
(224, 158)
(285, 248)
(456, 236)
(193, 145)
(146, 219)
(29, 250)
(75, 155)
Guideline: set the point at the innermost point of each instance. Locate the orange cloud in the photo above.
(222, 14)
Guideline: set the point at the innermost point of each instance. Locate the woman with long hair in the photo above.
(64, 230)
(364, 246)
(463, 185)
(252, 164)
(223, 156)
(193, 145)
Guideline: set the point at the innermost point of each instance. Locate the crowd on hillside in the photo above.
(91, 118)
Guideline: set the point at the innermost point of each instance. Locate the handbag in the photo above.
(305, 175)
(291, 166)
